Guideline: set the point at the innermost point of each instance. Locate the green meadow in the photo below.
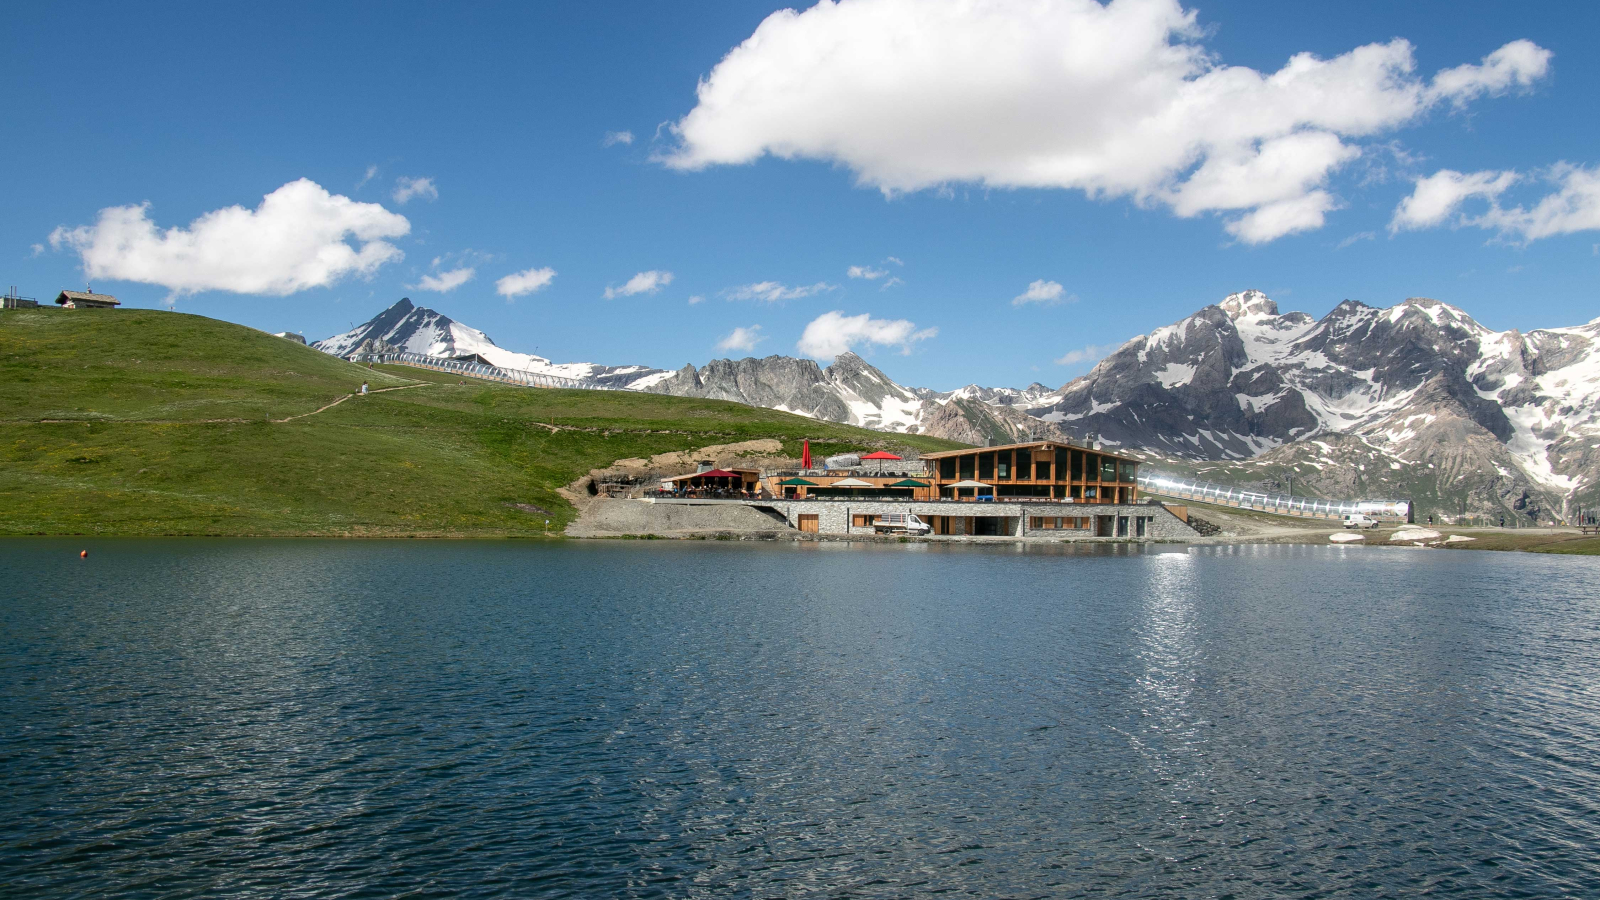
(143, 422)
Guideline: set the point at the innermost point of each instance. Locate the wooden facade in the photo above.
(1038, 470)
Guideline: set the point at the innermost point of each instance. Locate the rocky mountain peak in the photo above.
(1248, 303)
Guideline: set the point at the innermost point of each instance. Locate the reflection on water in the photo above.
(229, 718)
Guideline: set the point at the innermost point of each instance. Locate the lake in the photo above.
(229, 718)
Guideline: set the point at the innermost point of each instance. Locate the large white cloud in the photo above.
(742, 338)
(832, 333)
(1573, 206)
(1113, 100)
(298, 238)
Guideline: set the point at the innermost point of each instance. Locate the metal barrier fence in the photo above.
(487, 372)
(1278, 504)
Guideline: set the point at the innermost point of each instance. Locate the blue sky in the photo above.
(890, 166)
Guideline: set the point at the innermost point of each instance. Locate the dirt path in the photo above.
(347, 397)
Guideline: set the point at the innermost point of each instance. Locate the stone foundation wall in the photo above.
(834, 517)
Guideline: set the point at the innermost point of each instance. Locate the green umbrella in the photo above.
(909, 482)
(797, 482)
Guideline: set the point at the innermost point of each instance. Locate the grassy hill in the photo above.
(148, 422)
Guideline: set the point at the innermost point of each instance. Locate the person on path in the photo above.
(363, 387)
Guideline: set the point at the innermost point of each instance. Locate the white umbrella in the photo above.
(969, 484)
(852, 483)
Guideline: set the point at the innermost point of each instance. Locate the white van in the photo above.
(897, 524)
(1360, 520)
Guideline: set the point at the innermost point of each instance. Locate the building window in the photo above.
(967, 463)
(1126, 472)
(1090, 492)
(1041, 470)
(947, 469)
(1002, 467)
(1024, 463)
(1061, 465)
(1138, 526)
(863, 521)
(985, 466)
(1108, 469)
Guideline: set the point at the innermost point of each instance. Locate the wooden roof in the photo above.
(1029, 445)
(64, 296)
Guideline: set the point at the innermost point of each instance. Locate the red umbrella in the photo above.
(881, 454)
(805, 454)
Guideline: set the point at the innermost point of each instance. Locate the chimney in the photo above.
(705, 465)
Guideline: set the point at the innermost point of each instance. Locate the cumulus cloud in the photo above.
(1041, 291)
(298, 238)
(1437, 197)
(867, 272)
(1088, 354)
(696, 298)
(642, 283)
(613, 138)
(742, 338)
(1120, 100)
(408, 189)
(444, 282)
(832, 333)
(773, 292)
(525, 282)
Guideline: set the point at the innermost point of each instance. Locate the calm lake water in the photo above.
(306, 718)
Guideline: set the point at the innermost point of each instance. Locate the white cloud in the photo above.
(642, 283)
(1356, 238)
(1120, 100)
(893, 282)
(893, 259)
(867, 272)
(832, 333)
(298, 238)
(1041, 291)
(742, 338)
(407, 189)
(613, 138)
(1089, 354)
(696, 298)
(773, 292)
(372, 172)
(525, 282)
(1574, 206)
(38, 249)
(1517, 64)
(445, 281)
(1436, 197)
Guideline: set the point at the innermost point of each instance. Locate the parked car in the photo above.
(1360, 520)
(897, 524)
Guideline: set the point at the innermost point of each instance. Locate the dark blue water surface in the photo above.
(287, 718)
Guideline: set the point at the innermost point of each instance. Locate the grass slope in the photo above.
(148, 422)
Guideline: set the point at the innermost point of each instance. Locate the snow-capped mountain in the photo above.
(1416, 401)
(1420, 388)
(417, 329)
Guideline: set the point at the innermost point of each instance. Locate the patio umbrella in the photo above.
(969, 483)
(852, 483)
(796, 482)
(805, 454)
(909, 482)
(881, 454)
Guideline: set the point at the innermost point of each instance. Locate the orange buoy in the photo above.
(83, 554)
